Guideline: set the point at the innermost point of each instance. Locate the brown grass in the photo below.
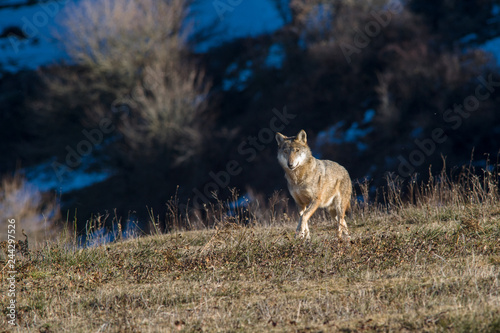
(432, 266)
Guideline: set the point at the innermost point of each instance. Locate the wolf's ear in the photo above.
(302, 136)
(280, 138)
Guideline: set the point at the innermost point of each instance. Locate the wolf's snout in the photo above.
(291, 165)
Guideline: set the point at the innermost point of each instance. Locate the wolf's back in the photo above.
(336, 176)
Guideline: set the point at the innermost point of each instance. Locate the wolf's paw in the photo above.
(302, 235)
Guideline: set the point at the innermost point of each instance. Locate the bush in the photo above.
(134, 55)
(124, 36)
(34, 212)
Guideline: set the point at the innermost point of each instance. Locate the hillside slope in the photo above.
(416, 268)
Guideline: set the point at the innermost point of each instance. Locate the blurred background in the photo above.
(126, 109)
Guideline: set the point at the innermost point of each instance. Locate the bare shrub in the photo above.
(35, 212)
(327, 23)
(123, 36)
(135, 57)
(165, 111)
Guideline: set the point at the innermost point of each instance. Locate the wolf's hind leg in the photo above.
(343, 230)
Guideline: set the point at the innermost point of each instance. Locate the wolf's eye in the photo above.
(296, 150)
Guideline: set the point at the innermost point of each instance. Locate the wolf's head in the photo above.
(293, 151)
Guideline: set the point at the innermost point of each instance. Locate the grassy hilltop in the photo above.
(430, 264)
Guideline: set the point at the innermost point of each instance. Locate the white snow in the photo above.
(234, 19)
(37, 22)
(492, 46)
(14, 2)
(276, 56)
(239, 81)
(354, 134)
(369, 114)
(45, 177)
(103, 236)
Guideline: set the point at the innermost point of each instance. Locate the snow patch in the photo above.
(44, 176)
(276, 56)
(369, 115)
(103, 236)
(35, 46)
(354, 134)
(244, 18)
(492, 46)
(237, 80)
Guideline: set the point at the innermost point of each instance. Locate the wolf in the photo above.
(314, 183)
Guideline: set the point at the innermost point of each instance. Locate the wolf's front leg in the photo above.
(303, 228)
(298, 232)
(302, 208)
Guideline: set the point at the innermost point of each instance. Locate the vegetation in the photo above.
(431, 263)
(425, 247)
(131, 53)
(179, 115)
(36, 212)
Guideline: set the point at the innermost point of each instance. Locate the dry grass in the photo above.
(431, 266)
(35, 212)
